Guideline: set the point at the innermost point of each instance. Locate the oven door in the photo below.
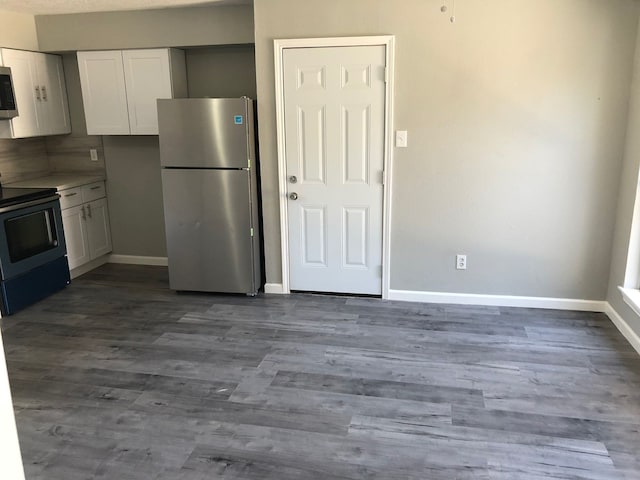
(30, 235)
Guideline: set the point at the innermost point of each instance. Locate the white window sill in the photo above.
(631, 297)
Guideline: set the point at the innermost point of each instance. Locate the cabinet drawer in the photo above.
(70, 197)
(93, 191)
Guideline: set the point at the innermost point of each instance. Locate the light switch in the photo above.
(401, 138)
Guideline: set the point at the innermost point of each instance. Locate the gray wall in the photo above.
(228, 70)
(173, 27)
(626, 201)
(18, 31)
(135, 195)
(516, 116)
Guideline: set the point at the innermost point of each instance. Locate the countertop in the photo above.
(60, 181)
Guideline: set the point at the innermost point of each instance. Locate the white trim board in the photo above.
(279, 47)
(87, 267)
(274, 288)
(498, 300)
(632, 337)
(631, 297)
(139, 260)
(10, 457)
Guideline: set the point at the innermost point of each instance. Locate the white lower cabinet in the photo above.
(74, 222)
(86, 223)
(98, 233)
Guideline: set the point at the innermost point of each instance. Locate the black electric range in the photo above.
(33, 252)
(14, 196)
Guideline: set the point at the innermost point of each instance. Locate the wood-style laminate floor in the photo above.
(119, 378)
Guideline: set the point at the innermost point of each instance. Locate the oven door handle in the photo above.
(22, 205)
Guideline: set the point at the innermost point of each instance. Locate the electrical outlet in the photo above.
(94, 154)
(461, 262)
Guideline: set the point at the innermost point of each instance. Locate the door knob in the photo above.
(293, 196)
(293, 179)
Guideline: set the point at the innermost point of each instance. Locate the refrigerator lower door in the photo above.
(208, 228)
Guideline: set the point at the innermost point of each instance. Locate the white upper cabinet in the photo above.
(120, 88)
(41, 95)
(103, 92)
(147, 75)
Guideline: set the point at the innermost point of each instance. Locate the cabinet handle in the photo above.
(70, 194)
(89, 210)
(84, 215)
(44, 93)
(38, 94)
(95, 188)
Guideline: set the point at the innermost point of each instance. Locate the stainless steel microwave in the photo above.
(8, 107)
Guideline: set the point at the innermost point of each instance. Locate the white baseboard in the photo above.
(632, 337)
(498, 300)
(139, 260)
(274, 288)
(87, 267)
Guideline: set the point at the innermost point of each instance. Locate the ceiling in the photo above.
(53, 7)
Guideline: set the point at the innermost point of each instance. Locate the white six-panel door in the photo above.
(334, 100)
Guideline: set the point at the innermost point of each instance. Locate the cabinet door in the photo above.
(75, 235)
(25, 80)
(148, 77)
(103, 92)
(55, 107)
(98, 227)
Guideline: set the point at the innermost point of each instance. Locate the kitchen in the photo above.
(136, 207)
(219, 62)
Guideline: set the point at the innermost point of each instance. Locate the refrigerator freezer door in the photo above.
(208, 227)
(204, 132)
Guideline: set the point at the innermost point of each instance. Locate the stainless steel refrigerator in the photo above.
(210, 193)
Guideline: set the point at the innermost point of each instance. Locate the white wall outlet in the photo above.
(401, 138)
(94, 154)
(461, 262)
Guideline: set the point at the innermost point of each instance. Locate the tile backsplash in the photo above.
(68, 153)
(26, 158)
(22, 159)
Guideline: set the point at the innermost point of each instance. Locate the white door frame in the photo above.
(279, 47)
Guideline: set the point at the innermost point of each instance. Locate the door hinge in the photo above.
(252, 232)
(382, 177)
(379, 271)
(249, 163)
(386, 74)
